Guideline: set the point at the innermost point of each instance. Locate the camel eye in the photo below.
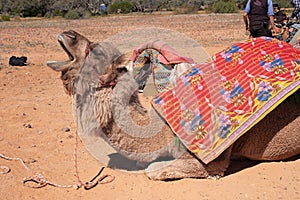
(122, 69)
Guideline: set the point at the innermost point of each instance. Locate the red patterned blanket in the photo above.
(215, 103)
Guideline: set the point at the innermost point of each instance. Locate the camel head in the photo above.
(77, 47)
(104, 57)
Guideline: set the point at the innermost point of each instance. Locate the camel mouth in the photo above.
(60, 65)
(61, 41)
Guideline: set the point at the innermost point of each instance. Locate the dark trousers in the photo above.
(260, 29)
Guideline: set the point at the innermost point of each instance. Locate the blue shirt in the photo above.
(270, 8)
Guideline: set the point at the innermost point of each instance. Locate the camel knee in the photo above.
(188, 166)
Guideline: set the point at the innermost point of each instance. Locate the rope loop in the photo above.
(91, 184)
(39, 181)
(4, 170)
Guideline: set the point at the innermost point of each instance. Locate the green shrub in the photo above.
(83, 13)
(283, 3)
(54, 13)
(79, 13)
(241, 4)
(223, 6)
(5, 17)
(122, 6)
(72, 14)
(48, 15)
(185, 10)
(30, 12)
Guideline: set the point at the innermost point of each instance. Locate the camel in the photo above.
(117, 105)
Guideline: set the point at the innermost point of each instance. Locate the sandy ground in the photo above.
(34, 112)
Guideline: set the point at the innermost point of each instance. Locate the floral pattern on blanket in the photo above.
(215, 103)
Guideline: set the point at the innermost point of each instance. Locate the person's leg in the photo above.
(253, 33)
(265, 31)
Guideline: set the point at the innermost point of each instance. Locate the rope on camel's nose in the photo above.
(39, 181)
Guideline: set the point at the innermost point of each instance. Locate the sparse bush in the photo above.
(72, 14)
(223, 6)
(54, 13)
(48, 15)
(17, 18)
(122, 6)
(77, 14)
(5, 17)
(30, 12)
(283, 3)
(185, 10)
(83, 13)
(195, 4)
(241, 4)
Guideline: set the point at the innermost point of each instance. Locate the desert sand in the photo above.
(35, 113)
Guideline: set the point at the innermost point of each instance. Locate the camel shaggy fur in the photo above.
(122, 117)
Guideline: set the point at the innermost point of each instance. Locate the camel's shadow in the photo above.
(117, 161)
(242, 164)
